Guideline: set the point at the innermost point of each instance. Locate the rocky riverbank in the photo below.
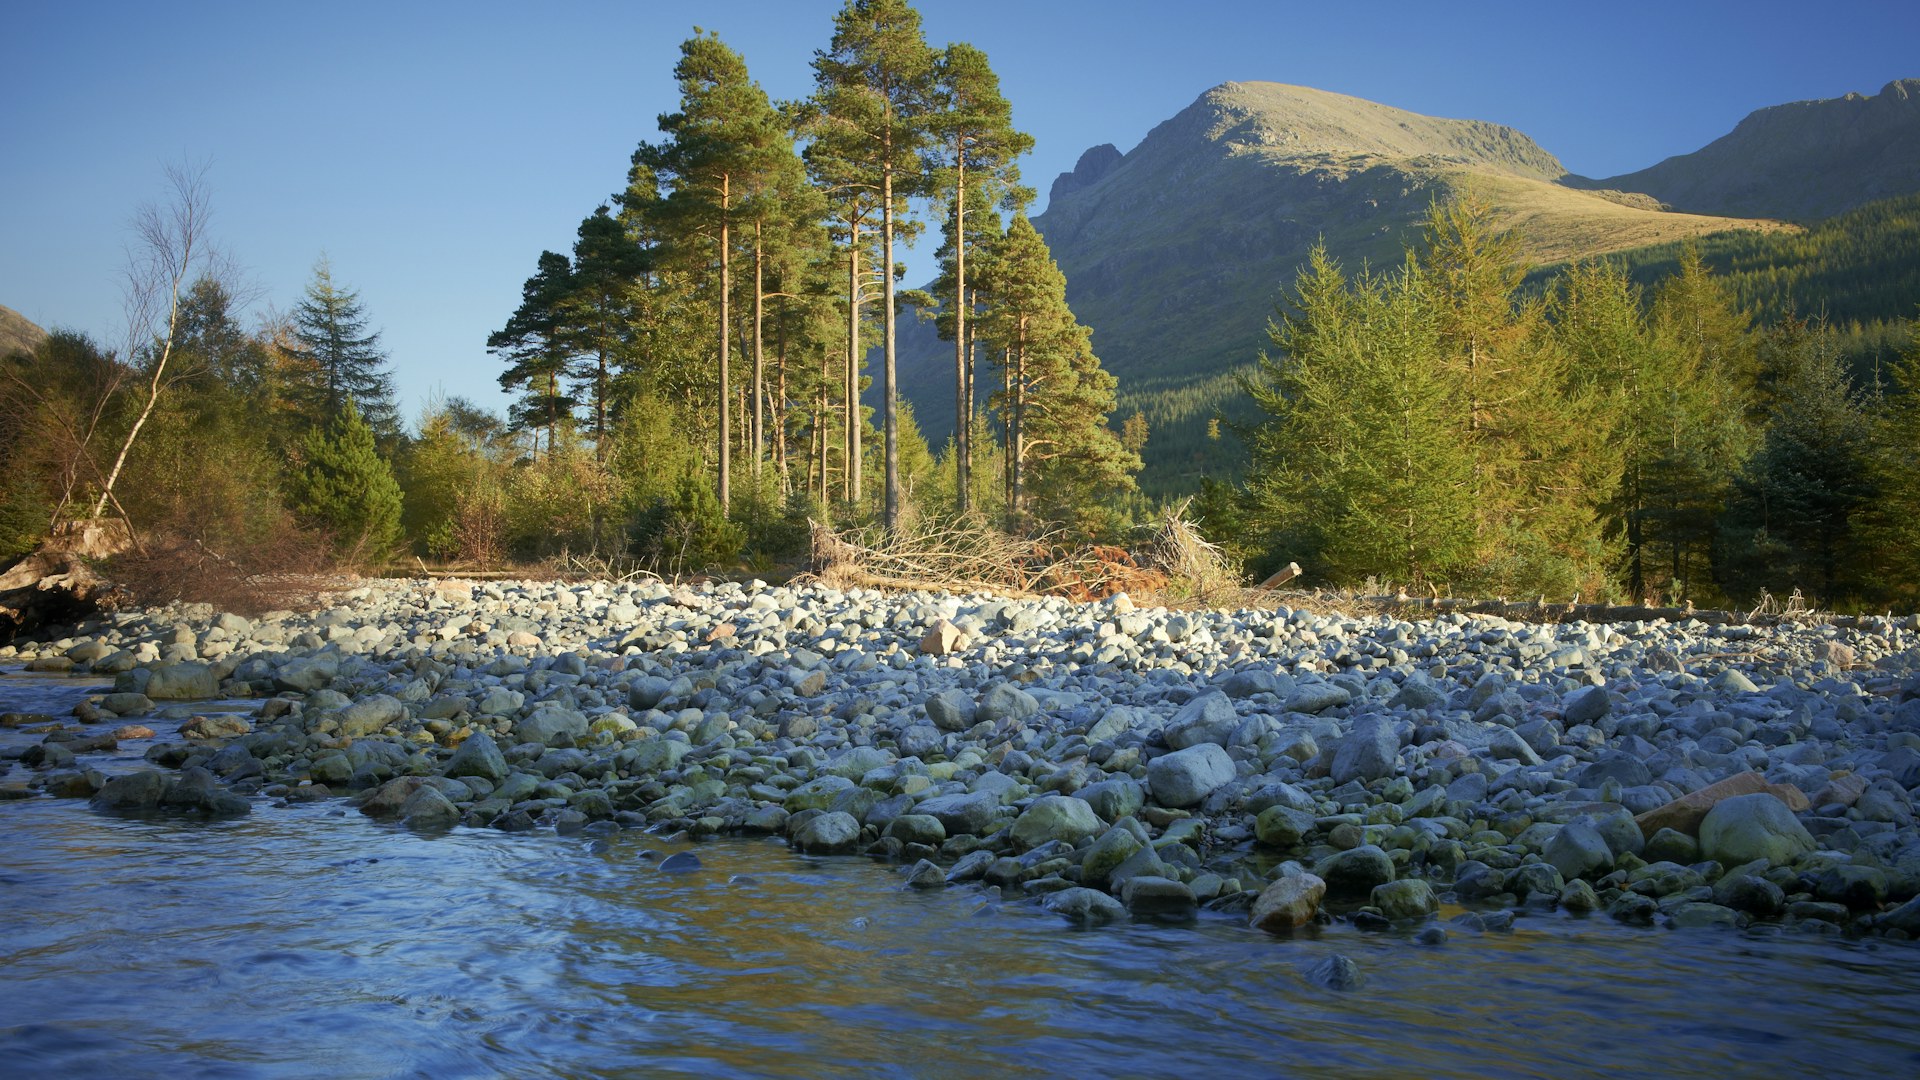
(1107, 762)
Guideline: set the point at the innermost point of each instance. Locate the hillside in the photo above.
(1176, 251)
(1802, 161)
(16, 333)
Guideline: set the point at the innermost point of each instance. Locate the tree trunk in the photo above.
(890, 513)
(852, 478)
(726, 427)
(960, 402)
(759, 365)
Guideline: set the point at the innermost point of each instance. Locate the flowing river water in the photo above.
(308, 941)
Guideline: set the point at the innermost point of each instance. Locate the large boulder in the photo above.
(306, 673)
(1371, 751)
(969, 812)
(1208, 718)
(188, 680)
(1355, 872)
(1056, 817)
(369, 715)
(1686, 813)
(477, 755)
(1288, 904)
(830, 833)
(1749, 827)
(548, 723)
(1185, 777)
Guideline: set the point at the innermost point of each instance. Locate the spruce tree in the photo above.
(1800, 497)
(343, 355)
(344, 486)
(1892, 525)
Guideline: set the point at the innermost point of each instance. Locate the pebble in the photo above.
(1065, 752)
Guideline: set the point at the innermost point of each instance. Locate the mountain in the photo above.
(1802, 162)
(16, 333)
(1176, 251)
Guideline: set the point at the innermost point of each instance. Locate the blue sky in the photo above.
(432, 150)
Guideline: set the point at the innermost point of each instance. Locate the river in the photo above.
(308, 941)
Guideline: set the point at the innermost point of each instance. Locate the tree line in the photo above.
(688, 383)
(1439, 426)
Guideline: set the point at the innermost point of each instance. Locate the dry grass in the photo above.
(285, 567)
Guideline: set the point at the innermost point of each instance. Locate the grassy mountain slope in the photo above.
(1802, 161)
(16, 333)
(1176, 251)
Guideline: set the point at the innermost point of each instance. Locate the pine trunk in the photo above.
(726, 428)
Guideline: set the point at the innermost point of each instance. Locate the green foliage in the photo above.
(1362, 469)
(686, 531)
(343, 486)
(1791, 522)
(342, 358)
(1890, 532)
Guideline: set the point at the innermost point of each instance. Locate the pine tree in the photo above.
(722, 143)
(1063, 461)
(974, 142)
(344, 355)
(344, 486)
(872, 85)
(534, 345)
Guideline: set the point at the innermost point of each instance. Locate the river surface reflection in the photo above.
(309, 941)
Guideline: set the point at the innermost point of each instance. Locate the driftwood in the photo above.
(1280, 577)
(55, 583)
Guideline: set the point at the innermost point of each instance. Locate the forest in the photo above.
(687, 382)
(1442, 427)
(693, 382)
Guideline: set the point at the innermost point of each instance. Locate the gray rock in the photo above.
(477, 755)
(1355, 872)
(1748, 827)
(1114, 799)
(1337, 973)
(1088, 907)
(1289, 903)
(141, 790)
(1209, 718)
(1107, 854)
(1005, 701)
(1317, 698)
(1411, 898)
(1371, 751)
(950, 711)
(925, 874)
(1151, 897)
(968, 812)
(916, 829)
(428, 809)
(831, 833)
(370, 715)
(1282, 826)
(306, 673)
(1186, 777)
(547, 723)
(187, 680)
(1247, 683)
(1578, 850)
(1585, 705)
(1055, 817)
(1507, 745)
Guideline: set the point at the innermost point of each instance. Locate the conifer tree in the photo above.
(345, 356)
(1800, 497)
(1892, 529)
(726, 136)
(872, 85)
(345, 486)
(973, 142)
(1062, 459)
(534, 344)
(1361, 468)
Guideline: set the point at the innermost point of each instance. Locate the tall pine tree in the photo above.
(343, 356)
